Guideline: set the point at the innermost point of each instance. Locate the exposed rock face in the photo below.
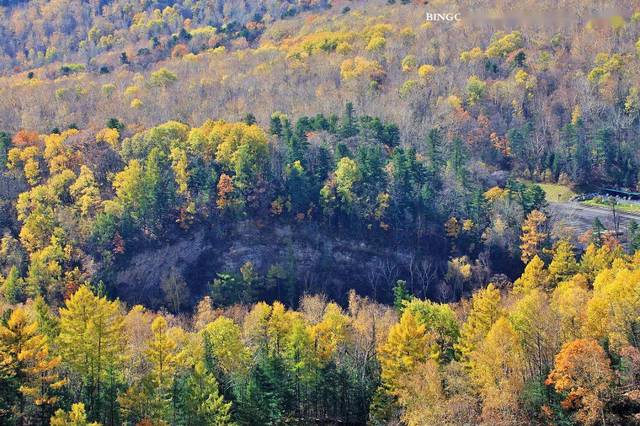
(140, 281)
(320, 263)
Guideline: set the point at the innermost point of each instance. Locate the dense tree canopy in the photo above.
(314, 211)
(533, 355)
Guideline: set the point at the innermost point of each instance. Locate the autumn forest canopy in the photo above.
(319, 212)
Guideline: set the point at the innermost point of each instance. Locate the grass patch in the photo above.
(556, 193)
(623, 207)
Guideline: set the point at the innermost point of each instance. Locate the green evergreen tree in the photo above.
(457, 159)
(13, 286)
(348, 126)
(203, 402)
(435, 153)
(5, 143)
(400, 295)
(633, 237)
(597, 231)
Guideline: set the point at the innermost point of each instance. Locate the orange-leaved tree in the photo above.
(582, 371)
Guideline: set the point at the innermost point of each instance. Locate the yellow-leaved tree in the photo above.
(534, 276)
(421, 395)
(485, 311)
(223, 339)
(537, 326)
(563, 265)
(614, 310)
(331, 332)
(595, 259)
(25, 359)
(569, 300)
(77, 416)
(498, 370)
(407, 346)
(161, 354)
(91, 342)
(533, 236)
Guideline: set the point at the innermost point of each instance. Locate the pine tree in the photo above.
(13, 286)
(261, 400)
(205, 404)
(347, 125)
(5, 143)
(159, 194)
(275, 124)
(296, 141)
(457, 159)
(597, 231)
(633, 236)
(603, 152)
(48, 323)
(400, 295)
(434, 151)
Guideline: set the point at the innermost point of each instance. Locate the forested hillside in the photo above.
(548, 97)
(318, 212)
(561, 347)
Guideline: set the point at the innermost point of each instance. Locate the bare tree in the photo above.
(383, 272)
(422, 274)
